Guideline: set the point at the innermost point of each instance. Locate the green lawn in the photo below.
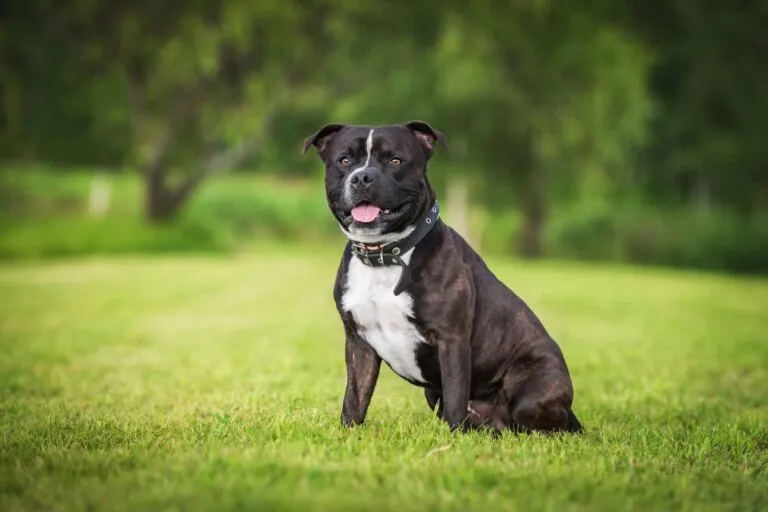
(216, 384)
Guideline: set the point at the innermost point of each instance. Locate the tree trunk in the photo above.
(701, 195)
(534, 218)
(458, 201)
(99, 197)
(534, 206)
(161, 204)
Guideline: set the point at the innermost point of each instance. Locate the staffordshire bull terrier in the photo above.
(411, 292)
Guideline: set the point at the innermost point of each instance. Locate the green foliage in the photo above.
(563, 89)
(709, 82)
(45, 215)
(275, 209)
(645, 235)
(216, 384)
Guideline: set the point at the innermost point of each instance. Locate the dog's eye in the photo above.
(395, 161)
(344, 161)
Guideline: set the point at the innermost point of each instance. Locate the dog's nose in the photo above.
(362, 179)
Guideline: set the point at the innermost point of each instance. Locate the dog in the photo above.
(411, 292)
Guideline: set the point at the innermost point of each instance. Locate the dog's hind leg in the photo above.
(481, 415)
(542, 401)
(488, 415)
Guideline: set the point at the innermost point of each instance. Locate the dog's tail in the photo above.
(573, 423)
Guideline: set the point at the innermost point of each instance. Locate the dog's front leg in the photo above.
(455, 370)
(363, 366)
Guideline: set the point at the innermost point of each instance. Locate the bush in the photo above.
(500, 231)
(44, 214)
(584, 233)
(712, 241)
(264, 207)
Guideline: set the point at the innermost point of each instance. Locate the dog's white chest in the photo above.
(382, 316)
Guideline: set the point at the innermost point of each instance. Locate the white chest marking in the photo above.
(383, 316)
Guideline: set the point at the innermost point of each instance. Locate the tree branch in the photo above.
(181, 111)
(233, 156)
(227, 159)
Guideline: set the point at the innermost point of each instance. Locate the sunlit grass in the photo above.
(215, 384)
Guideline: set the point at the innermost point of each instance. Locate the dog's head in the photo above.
(376, 177)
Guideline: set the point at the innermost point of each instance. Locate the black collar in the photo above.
(385, 255)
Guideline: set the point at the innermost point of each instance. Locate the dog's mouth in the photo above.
(366, 213)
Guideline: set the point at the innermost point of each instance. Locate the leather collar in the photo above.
(386, 255)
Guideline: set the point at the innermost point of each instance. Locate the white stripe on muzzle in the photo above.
(368, 149)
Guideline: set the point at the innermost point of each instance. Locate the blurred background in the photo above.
(629, 131)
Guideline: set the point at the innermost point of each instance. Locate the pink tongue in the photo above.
(365, 212)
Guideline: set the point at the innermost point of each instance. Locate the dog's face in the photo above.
(376, 177)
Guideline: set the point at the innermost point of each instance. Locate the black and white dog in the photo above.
(412, 293)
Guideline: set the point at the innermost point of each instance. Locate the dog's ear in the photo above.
(321, 137)
(426, 135)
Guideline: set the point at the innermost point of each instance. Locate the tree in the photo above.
(55, 108)
(199, 84)
(205, 85)
(709, 79)
(543, 95)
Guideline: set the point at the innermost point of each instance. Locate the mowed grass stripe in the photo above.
(215, 383)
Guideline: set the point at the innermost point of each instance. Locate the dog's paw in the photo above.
(348, 422)
(462, 426)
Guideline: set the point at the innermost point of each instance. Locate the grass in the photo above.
(215, 384)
